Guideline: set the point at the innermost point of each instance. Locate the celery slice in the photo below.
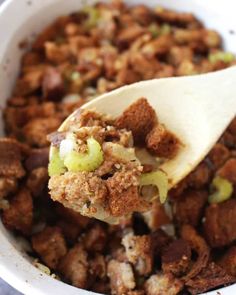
(89, 161)
(93, 16)
(154, 30)
(165, 29)
(159, 179)
(75, 76)
(226, 57)
(224, 190)
(56, 165)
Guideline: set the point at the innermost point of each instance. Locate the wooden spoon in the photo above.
(196, 108)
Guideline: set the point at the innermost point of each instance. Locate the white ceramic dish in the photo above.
(24, 18)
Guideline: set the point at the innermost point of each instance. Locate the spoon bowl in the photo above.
(196, 108)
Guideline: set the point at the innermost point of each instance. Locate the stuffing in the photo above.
(50, 245)
(161, 142)
(74, 266)
(72, 216)
(199, 246)
(176, 258)
(142, 14)
(19, 215)
(130, 119)
(123, 193)
(228, 170)
(70, 230)
(160, 284)
(160, 240)
(138, 250)
(218, 155)
(8, 186)
(73, 191)
(52, 85)
(172, 16)
(95, 239)
(121, 277)
(30, 82)
(35, 132)
(228, 261)
(156, 217)
(209, 278)
(219, 225)
(37, 158)
(37, 180)
(200, 176)
(11, 157)
(189, 208)
(128, 35)
(16, 117)
(97, 267)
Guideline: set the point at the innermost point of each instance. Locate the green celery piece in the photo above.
(224, 190)
(226, 57)
(56, 165)
(159, 179)
(90, 161)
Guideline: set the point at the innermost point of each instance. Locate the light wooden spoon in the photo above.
(196, 108)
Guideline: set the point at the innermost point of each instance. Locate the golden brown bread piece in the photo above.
(161, 142)
(189, 208)
(131, 119)
(228, 261)
(176, 258)
(228, 170)
(198, 245)
(19, 215)
(220, 223)
(50, 245)
(139, 252)
(160, 284)
(218, 155)
(37, 180)
(52, 84)
(74, 266)
(210, 277)
(11, 157)
(121, 277)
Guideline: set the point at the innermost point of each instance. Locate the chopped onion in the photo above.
(66, 146)
(120, 152)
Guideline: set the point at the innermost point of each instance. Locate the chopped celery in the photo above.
(224, 190)
(154, 30)
(75, 76)
(165, 29)
(159, 179)
(56, 165)
(89, 161)
(93, 16)
(226, 57)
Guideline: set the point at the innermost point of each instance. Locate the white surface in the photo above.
(18, 20)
